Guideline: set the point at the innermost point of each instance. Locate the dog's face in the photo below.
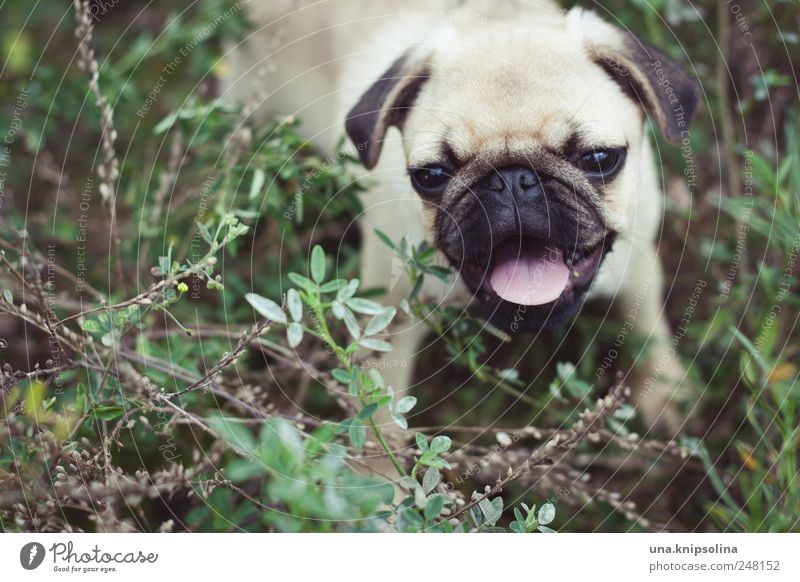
(526, 148)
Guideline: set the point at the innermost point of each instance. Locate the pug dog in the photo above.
(512, 135)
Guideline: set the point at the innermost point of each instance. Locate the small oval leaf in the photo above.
(257, 184)
(375, 344)
(351, 323)
(431, 479)
(547, 514)
(266, 307)
(358, 434)
(400, 421)
(364, 306)
(405, 404)
(380, 321)
(341, 376)
(434, 506)
(295, 304)
(348, 290)
(338, 308)
(318, 264)
(294, 334)
(302, 282)
(441, 444)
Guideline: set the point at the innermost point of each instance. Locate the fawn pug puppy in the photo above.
(510, 134)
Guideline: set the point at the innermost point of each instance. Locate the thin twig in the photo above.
(589, 422)
(227, 359)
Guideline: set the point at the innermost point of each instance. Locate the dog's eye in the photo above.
(430, 180)
(601, 163)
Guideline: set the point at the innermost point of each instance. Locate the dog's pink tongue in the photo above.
(529, 277)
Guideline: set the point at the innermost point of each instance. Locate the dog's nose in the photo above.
(516, 179)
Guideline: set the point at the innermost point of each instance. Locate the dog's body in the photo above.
(514, 112)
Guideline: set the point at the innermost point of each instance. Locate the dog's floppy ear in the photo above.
(386, 103)
(645, 73)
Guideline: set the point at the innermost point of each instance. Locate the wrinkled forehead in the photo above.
(504, 91)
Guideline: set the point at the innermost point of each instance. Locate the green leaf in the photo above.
(8, 296)
(302, 282)
(405, 404)
(419, 497)
(106, 412)
(233, 433)
(343, 426)
(204, 232)
(400, 421)
(332, 286)
(431, 479)
(357, 434)
(341, 376)
(364, 306)
(318, 264)
(281, 434)
(434, 506)
(624, 413)
(90, 326)
(164, 265)
(518, 516)
(406, 307)
(441, 444)
(239, 470)
(423, 252)
(351, 323)
(431, 459)
(34, 397)
(384, 400)
(348, 290)
(295, 304)
(375, 344)
(294, 334)
(754, 352)
(165, 123)
(380, 321)
(386, 240)
(442, 273)
(378, 380)
(545, 529)
(368, 411)
(490, 510)
(337, 308)
(352, 388)
(422, 444)
(547, 513)
(81, 399)
(258, 183)
(266, 307)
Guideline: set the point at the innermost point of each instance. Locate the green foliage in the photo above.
(299, 482)
(204, 354)
(325, 302)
